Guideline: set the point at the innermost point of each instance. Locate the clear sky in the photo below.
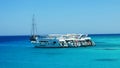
(59, 16)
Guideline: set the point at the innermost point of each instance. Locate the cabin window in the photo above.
(54, 42)
(43, 42)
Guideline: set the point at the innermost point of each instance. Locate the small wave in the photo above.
(107, 59)
(108, 49)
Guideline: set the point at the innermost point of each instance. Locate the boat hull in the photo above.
(40, 46)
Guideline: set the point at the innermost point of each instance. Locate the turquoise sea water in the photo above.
(18, 52)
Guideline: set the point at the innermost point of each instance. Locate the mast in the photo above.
(33, 38)
(33, 26)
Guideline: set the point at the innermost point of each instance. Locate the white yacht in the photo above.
(60, 40)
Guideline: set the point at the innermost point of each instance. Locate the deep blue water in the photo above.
(18, 52)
